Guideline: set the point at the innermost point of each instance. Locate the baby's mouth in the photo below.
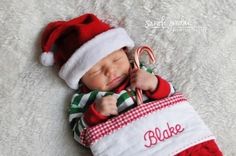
(116, 81)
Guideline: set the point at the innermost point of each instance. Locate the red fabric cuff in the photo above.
(93, 117)
(162, 90)
(206, 148)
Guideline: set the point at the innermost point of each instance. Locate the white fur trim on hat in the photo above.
(47, 58)
(92, 52)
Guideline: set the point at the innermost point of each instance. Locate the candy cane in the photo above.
(138, 52)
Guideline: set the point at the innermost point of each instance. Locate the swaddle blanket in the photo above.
(164, 127)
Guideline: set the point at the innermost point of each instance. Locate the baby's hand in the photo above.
(143, 80)
(107, 105)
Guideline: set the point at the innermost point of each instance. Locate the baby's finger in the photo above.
(111, 97)
(133, 84)
(133, 81)
(113, 100)
(133, 74)
(114, 111)
(132, 77)
(133, 71)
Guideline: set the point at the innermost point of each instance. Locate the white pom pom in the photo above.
(47, 58)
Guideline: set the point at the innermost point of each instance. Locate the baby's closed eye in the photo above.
(96, 71)
(117, 59)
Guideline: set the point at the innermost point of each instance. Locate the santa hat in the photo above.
(78, 44)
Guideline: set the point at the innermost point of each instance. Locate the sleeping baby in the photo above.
(94, 60)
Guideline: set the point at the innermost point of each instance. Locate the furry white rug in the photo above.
(194, 41)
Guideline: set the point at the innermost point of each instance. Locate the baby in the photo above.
(93, 59)
(113, 73)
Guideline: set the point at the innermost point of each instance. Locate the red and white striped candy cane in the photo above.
(138, 52)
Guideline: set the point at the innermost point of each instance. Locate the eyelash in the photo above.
(117, 59)
(97, 71)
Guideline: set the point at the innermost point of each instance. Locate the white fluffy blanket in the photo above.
(194, 41)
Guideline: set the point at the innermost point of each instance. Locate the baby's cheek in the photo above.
(101, 83)
(125, 66)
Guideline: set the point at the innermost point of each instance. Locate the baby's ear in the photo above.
(125, 49)
(128, 54)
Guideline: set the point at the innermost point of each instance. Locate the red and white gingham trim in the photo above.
(92, 134)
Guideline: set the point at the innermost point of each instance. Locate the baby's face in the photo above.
(108, 73)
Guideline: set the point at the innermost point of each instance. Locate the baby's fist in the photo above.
(107, 105)
(143, 80)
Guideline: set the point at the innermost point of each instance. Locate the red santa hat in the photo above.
(78, 44)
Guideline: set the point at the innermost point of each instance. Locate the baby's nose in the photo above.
(110, 71)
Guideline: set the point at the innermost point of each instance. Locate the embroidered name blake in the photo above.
(157, 135)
